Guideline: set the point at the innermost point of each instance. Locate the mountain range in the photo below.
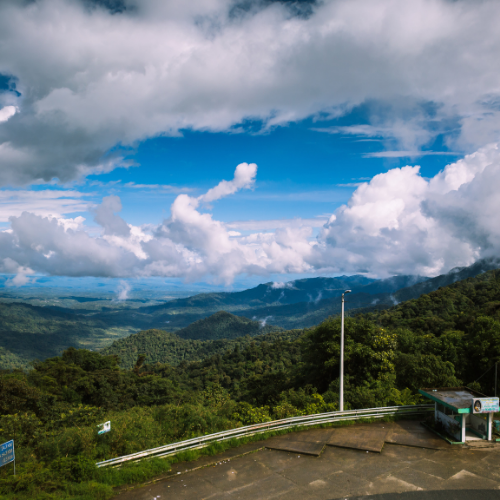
(295, 304)
(32, 332)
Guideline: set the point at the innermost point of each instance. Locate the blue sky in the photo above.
(219, 142)
(301, 172)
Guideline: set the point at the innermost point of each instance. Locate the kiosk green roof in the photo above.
(458, 399)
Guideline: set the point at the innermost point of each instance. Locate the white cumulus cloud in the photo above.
(397, 223)
(7, 112)
(89, 79)
(244, 178)
(400, 222)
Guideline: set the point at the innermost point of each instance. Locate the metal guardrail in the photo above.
(286, 423)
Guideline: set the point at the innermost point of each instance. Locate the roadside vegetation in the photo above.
(446, 338)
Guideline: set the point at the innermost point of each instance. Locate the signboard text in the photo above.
(7, 453)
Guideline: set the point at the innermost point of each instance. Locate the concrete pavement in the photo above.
(436, 472)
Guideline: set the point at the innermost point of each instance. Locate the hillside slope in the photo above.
(457, 274)
(449, 307)
(163, 347)
(30, 332)
(224, 325)
(459, 323)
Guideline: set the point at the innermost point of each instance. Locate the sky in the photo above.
(224, 141)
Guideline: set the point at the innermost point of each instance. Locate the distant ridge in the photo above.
(295, 304)
(456, 274)
(309, 290)
(378, 295)
(290, 292)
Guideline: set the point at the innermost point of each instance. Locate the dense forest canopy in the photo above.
(159, 346)
(448, 337)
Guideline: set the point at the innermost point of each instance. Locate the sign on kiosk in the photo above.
(485, 405)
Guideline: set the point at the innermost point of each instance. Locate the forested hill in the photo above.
(449, 307)
(455, 275)
(159, 346)
(459, 323)
(224, 325)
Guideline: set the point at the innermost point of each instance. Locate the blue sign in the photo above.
(7, 453)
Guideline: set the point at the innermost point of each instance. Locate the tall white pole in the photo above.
(496, 378)
(341, 398)
(341, 404)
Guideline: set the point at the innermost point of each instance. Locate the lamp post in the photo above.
(341, 404)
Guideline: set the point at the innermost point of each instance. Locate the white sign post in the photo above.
(103, 428)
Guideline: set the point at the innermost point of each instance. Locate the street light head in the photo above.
(348, 291)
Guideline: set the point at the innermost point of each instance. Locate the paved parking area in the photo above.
(438, 471)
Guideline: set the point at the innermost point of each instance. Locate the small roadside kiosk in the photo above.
(464, 414)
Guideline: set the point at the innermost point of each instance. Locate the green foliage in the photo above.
(449, 337)
(163, 347)
(29, 333)
(453, 332)
(223, 325)
(369, 352)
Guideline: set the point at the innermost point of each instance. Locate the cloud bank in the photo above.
(86, 82)
(398, 223)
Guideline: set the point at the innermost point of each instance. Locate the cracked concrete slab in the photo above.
(302, 447)
(407, 454)
(267, 488)
(227, 476)
(277, 461)
(411, 433)
(337, 485)
(390, 484)
(418, 478)
(360, 437)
